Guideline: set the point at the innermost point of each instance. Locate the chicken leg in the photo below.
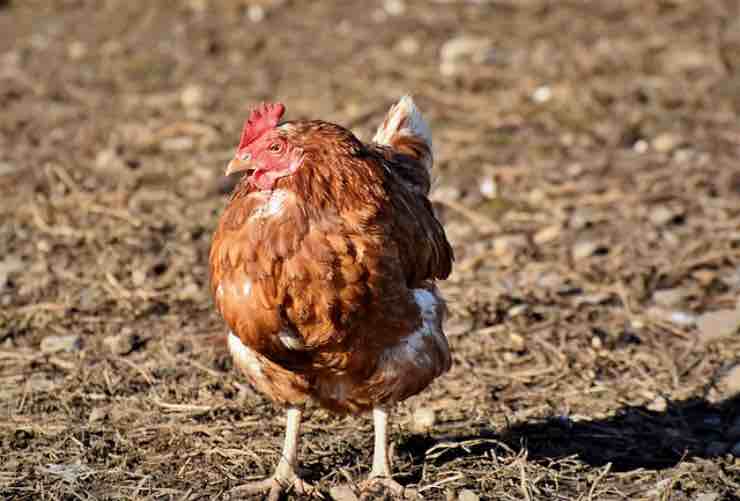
(285, 476)
(380, 474)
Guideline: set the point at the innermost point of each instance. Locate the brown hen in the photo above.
(323, 266)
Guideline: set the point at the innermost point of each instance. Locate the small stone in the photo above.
(718, 324)
(682, 318)
(43, 246)
(676, 317)
(409, 46)
(76, 50)
(595, 298)
(106, 159)
(9, 266)
(665, 143)
(661, 215)
(707, 496)
(181, 143)
(640, 146)
(343, 493)
(8, 168)
(729, 382)
(394, 7)
(122, 343)
(256, 13)
(423, 419)
(97, 414)
(192, 96)
(488, 187)
(659, 404)
(459, 52)
(138, 276)
(517, 310)
(517, 342)
(542, 94)
(670, 297)
(89, 298)
(584, 249)
(467, 495)
(55, 344)
(704, 277)
(509, 244)
(596, 343)
(547, 234)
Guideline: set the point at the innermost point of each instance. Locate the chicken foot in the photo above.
(380, 473)
(285, 477)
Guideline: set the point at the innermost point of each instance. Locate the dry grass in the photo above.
(607, 131)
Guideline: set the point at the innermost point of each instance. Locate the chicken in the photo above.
(323, 266)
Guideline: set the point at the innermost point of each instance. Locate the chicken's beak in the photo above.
(239, 165)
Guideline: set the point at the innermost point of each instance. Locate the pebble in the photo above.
(423, 420)
(661, 215)
(547, 234)
(488, 187)
(55, 344)
(707, 496)
(192, 96)
(730, 381)
(467, 495)
(394, 7)
(342, 493)
(665, 143)
(517, 342)
(122, 343)
(76, 50)
(256, 13)
(509, 244)
(718, 324)
(542, 94)
(670, 297)
(584, 249)
(108, 159)
(409, 46)
(8, 168)
(457, 52)
(181, 143)
(9, 266)
(640, 146)
(97, 414)
(659, 404)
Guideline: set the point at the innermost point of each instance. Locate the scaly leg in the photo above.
(285, 475)
(380, 474)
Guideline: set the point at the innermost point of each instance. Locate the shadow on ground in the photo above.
(634, 438)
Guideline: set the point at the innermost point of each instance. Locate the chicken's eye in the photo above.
(275, 147)
(245, 156)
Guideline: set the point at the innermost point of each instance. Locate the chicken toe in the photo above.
(285, 478)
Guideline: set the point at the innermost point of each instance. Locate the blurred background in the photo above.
(587, 175)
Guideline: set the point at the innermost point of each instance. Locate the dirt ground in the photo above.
(587, 174)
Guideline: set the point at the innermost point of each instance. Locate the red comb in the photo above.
(261, 119)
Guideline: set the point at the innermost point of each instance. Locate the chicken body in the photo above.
(326, 279)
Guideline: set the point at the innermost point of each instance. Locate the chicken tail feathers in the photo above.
(406, 132)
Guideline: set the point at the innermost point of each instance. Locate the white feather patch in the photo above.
(291, 340)
(405, 119)
(245, 358)
(247, 287)
(273, 206)
(414, 347)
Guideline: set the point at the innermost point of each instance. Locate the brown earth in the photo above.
(588, 177)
